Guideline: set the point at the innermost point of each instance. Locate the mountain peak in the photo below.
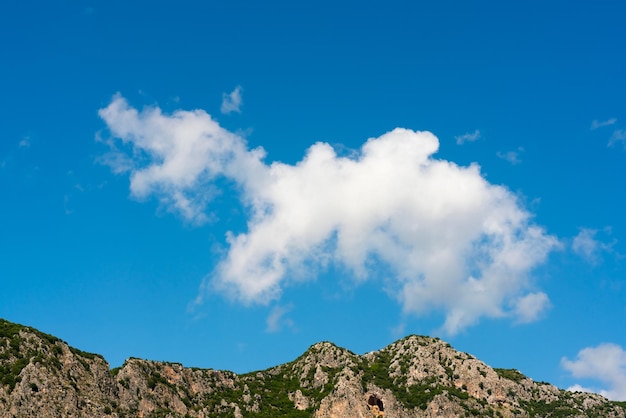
(416, 376)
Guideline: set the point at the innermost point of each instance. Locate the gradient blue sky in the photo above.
(531, 92)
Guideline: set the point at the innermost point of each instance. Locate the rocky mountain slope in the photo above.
(41, 376)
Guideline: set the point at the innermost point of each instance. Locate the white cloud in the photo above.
(588, 247)
(605, 363)
(454, 242)
(530, 307)
(467, 137)
(231, 102)
(618, 136)
(511, 156)
(276, 320)
(117, 161)
(602, 123)
(175, 156)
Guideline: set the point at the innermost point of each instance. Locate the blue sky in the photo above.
(222, 184)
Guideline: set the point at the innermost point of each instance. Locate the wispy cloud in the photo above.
(587, 246)
(467, 137)
(277, 320)
(618, 136)
(454, 242)
(66, 205)
(513, 157)
(530, 307)
(118, 161)
(602, 123)
(231, 102)
(605, 363)
(24, 142)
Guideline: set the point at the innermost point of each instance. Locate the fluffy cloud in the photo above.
(467, 137)
(450, 240)
(605, 363)
(231, 102)
(175, 156)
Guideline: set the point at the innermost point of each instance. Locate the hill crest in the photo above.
(417, 376)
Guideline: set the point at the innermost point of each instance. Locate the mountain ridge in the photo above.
(416, 376)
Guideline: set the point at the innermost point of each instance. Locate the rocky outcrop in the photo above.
(41, 376)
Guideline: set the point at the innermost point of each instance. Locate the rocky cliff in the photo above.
(41, 376)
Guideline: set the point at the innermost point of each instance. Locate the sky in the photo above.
(224, 184)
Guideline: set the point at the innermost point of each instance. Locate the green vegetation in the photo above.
(266, 394)
(12, 358)
(273, 391)
(18, 350)
(411, 396)
(160, 413)
(557, 409)
(10, 330)
(418, 396)
(84, 354)
(619, 404)
(511, 374)
(156, 378)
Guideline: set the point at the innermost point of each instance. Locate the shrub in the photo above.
(511, 374)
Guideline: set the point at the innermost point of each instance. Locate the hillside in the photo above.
(42, 376)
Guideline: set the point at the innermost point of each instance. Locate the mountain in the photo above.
(42, 376)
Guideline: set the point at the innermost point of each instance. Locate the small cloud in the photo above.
(118, 162)
(276, 320)
(511, 156)
(602, 123)
(66, 205)
(115, 159)
(605, 363)
(25, 142)
(467, 137)
(618, 136)
(530, 307)
(588, 247)
(231, 102)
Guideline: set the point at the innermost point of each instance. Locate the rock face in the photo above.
(41, 376)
